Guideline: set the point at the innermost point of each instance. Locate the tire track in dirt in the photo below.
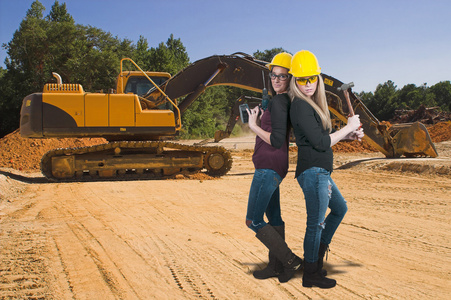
(188, 280)
(22, 263)
(200, 258)
(68, 213)
(78, 254)
(24, 268)
(127, 237)
(108, 248)
(95, 250)
(188, 271)
(59, 264)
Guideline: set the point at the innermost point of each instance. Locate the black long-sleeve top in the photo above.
(275, 120)
(314, 144)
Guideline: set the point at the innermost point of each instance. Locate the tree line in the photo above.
(387, 98)
(90, 56)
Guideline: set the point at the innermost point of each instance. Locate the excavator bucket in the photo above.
(414, 141)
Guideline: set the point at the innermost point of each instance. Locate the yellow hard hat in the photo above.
(282, 59)
(304, 64)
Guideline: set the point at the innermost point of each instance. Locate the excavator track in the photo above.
(125, 160)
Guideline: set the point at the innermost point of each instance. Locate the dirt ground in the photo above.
(186, 239)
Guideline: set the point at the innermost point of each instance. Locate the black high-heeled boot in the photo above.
(275, 266)
(276, 244)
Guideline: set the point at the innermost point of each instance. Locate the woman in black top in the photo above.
(310, 119)
(271, 166)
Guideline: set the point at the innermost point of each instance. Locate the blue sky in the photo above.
(367, 42)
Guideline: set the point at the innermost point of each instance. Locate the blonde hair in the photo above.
(319, 102)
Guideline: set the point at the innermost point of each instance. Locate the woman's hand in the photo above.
(350, 131)
(355, 135)
(354, 123)
(254, 113)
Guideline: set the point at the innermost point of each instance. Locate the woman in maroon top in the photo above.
(271, 166)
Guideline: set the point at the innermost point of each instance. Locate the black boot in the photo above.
(275, 266)
(276, 244)
(323, 249)
(313, 277)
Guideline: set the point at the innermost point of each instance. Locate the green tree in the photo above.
(386, 99)
(95, 63)
(24, 66)
(442, 94)
(169, 57)
(27, 50)
(59, 13)
(206, 114)
(411, 97)
(179, 58)
(406, 95)
(383, 102)
(7, 108)
(141, 55)
(61, 33)
(80, 54)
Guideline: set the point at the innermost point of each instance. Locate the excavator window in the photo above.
(141, 85)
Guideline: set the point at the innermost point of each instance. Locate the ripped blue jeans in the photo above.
(320, 192)
(264, 197)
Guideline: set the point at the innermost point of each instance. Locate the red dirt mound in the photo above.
(25, 154)
(348, 146)
(353, 146)
(440, 132)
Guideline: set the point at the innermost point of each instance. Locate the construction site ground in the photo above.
(185, 238)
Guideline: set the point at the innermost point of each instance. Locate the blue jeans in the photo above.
(264, 197)
(320, 192)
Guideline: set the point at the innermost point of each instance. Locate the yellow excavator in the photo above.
(143, 113)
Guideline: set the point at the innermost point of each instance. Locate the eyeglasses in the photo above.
(303, 81)
(282, 77)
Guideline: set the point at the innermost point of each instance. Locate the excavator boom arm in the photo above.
(241, 71)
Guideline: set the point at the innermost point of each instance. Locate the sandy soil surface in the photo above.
(186, 239)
